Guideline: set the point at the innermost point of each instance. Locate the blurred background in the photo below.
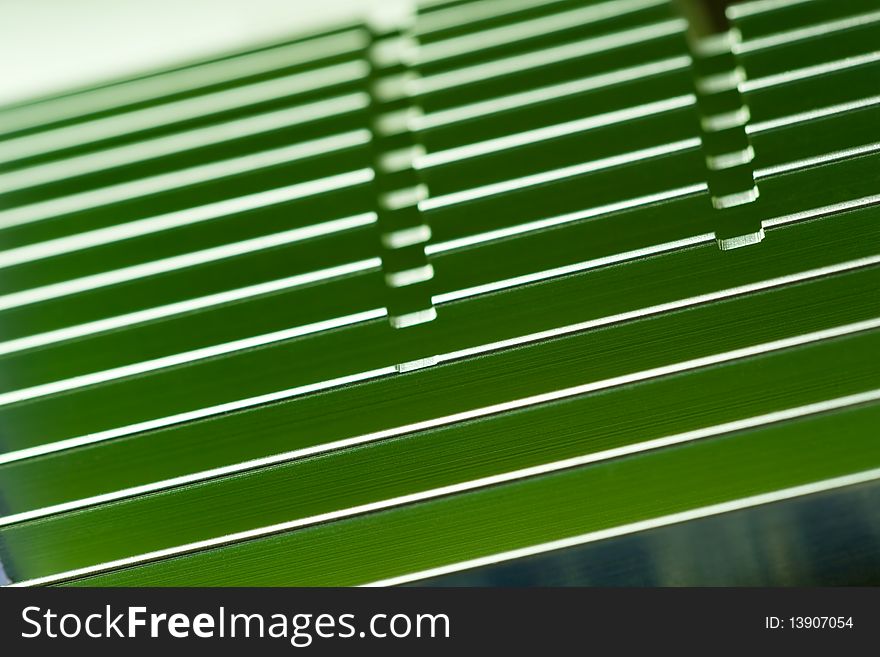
(52, 46)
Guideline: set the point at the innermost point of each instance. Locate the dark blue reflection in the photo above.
(828, 539)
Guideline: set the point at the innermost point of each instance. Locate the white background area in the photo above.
(52, 46)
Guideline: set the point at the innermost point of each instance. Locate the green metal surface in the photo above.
(572, 243)
(334, 415)
(464, 324)
(405, 540)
